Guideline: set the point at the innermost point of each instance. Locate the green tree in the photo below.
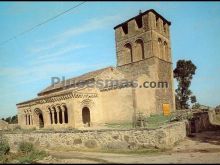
(14, 119)
(183, 73)
(8, 119)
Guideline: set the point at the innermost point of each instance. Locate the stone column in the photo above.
(50, 118)
(63, 115)
(47, 120)
(58, 117)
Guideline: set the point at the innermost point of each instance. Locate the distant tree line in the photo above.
(11, 120)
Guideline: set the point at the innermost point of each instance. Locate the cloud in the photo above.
(43, 48)
(57, 54)
(63, 37)
(54, 48)
(24, 75)
(94, 24)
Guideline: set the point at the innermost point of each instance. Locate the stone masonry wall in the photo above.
(164, 137)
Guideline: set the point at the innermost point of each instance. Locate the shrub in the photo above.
(4, 147)
(32, 157)
(26, 147)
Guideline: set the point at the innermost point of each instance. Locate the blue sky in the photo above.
(83, 40)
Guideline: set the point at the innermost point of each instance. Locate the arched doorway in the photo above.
(40, 117)
(86, 116)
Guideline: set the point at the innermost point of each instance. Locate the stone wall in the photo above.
(164, 137)
(202, 121)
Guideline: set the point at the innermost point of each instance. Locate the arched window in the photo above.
(128, 58)
(55, 121)
(165, 57)
(138, 50)
(65, 114)
(160, 48)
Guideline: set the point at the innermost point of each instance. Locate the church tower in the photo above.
(144, 54)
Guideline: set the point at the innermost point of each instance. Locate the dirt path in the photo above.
(202, 148)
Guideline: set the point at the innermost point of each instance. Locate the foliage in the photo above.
(154, 121)
(26, 147)
(181, 115)
(118, 125)
(196, 106)
(4, 146)
(183, 73)
(32, 157)
(11, 120)
(217, 107)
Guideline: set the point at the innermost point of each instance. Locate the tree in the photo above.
(183, 73)
(196, 106)
(8, 119)
(14, 119)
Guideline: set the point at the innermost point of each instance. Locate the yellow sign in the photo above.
(166, 109)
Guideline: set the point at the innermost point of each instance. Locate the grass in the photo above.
(152, 122)
(150, 150)
(26, 154)
(155, 121)
(32, 157)
(23, 158)
(119, 126)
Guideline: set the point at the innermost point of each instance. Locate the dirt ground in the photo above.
(200, 148)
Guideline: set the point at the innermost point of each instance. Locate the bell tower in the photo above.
(143, 49)
(142, 37)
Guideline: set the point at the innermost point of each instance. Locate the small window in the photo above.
(125, 28)
(139, 22)
(157, 22)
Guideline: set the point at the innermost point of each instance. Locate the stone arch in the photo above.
(128, 57)
(87, 103)
(40, 118)
(138, 50)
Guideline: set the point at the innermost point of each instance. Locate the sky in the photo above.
(83, 40)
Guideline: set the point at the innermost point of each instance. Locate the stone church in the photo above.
(143, 54)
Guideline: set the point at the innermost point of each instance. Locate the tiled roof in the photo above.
(84, 77)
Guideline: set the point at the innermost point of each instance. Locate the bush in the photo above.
(32, 157)
(26, 147)
(4, 147)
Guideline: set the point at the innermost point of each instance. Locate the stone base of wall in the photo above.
(201, 121)
(164, 137)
